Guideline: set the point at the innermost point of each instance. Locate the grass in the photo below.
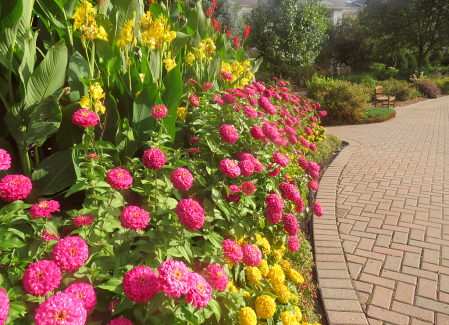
(378, 114)
(324, 148)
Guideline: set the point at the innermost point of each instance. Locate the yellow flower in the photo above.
(182, 112)
(156, 33)
(142, 76)
(138, 93)
(84, 21)
(294, 297)
(285, 265)
(282, 292)
(263, 267)
(99, 107)
(288, 318)
(207, 47)
(262, 241)
(253, 275)
(232, 287)
(298, 313)
(295, 276)
(276, 275)
(277, 254)
(190, 58)
(96, 91)
(169, 63)
(247, 316)
(126, 34)
(245, 293)
(305, 150)
(265, 306)
(85, 102)
(241, 241)
(102, 34)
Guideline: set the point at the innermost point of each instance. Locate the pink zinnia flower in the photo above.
(207, 86)
(313, 147)
(273, 216)
(112, 305)
(5, 164)
(230, 168)
(270, 131)
(232, 197)
(194, 100)
(226, 76)
(174, 278)
(257, 132)
(280, 159)
(140, 284)
(218, 100)
(15, 187)
(265, 104)
(194, 140)
(159, 112)
(249, 112)
(70, 253)
(292, 139)
(190, 213)
(84, 220)
(181, 179)
(120, 321)
(290, 224)
(154, 159)
(47, 236)
(314, 185)
(228, 99)
(228, 133)
(308, 130)
(293, 244)
(200, 291)
(217, 277)
(91, 156)
(4, 306)
(41, 277)
(85, 118)
(193, 81)
(194, 150)
(289, 191)
(251, 255)
(244, 155)
(62, 308)
(134, 218)
(248, 187)
(318, 209)
(119, 178)
(44, 209)
(85, 293)
(304, 142)
(274, 202)
(232, 251)
(246, 167)
(258, 167)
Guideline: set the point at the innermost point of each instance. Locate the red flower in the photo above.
(236, 42)
(228, 33)
(246, 32)
(194, 100)
(215, 25)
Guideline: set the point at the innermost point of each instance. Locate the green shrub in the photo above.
(443, 83)
(317, 84)
(401, 87)
(365, 79)
(344, 101)
(324, 149)
(413, 62)
(403, 61)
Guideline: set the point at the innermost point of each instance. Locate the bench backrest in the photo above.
(379, 91)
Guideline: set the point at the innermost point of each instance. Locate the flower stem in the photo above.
(155, 191)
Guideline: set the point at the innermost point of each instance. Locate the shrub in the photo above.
(317, 84)
(401, 87)
(366, 79)
(344, 101)
(443, 84)
(428, 89)
(403, 61)
(413, 62)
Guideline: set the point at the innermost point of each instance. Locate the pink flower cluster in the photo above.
(217, 277)
(251, 255)
(47, 236)
(290, 224)
(4, 306)
(41, 278)
(85, 293)
(232, 197)
(119, 178)
(318, 209)
(190, 214)
(228, 133)
(120, 321)
(159, 112)
(181, 179)
(70, 253)
(275, 205)
(62, 308)
(232, 251)
(15, 187)
(140, 284)
(173, 278)
(154, 159)
(134, 218)
(83, 220)
(44, 209)
(230, 168)
(85, 118)
(5, 163)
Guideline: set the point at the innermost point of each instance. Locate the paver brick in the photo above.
(405, 292)
(427, 288)
(413, 311)
(382, 297)
(387, 316)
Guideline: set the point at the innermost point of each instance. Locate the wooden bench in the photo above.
(381, 96)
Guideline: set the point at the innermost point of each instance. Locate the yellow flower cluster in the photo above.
(265, 306)
(156, 33)
(232, 287)
(298, 313)
(241, 241)
(127, 34)
(288, 318)
(282, 292)
(285, 265)
(276, 275)
(296, 276)
(247, 316)
(182, 112)
(263, 267)
(238, 70)
(84, 18)
(94, 100)
(169, 63)
(205, 51)
(253, 275)
(265, 245)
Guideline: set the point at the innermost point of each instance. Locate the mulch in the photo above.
(404, 102)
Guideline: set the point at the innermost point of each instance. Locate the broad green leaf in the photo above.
(122, 12)
(112, 118)
(69, 134)
(10, 12)
(196, 21)
(15, 123)
(12, 208)
(171, 96)
(143, 121)
(240, 55)
(49, 75)
(215, 306)
(54, 173)
(127, 139)
(180, 41)
(12, 242)
(26, 68)
(255, 66)
(113, 285)
(78, 69)
(214, 68)
(7, 42)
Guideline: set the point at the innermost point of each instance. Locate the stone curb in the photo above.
(340, 299)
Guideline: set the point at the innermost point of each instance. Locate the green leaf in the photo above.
(112, 119)
(54, 173)
(49, 75)
(17, 309)
(180, 41)
(122, 12)
(155, 303)
(69, 134)
(143, 121)
(7, 42)
(26, 68)
(113, 285)
(214, 67)
(12, 208)
(215, 306)
(240, 55)
(78, 69)
(10, 13)
(171, 96)
(12, 242)
(196, 21)
(255, 66)
(127, 139)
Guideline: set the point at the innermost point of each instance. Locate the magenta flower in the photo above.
(244, 155)
(318, 209)
(134, 218)
(194, 140)
(290, 224)
(83, 220)
(85, 293)
(15, 187)
(174, 278)
(41, 277)
(119, 178)
(313, 147)
(226, 76)
(228, 99)
(228, 133)
(273, 216)
(265, 104)
(249, 112)
(194, 100)
(230, 168)
(207, 86)
(91, 156)
(140, 284)
(120, 321)
(154, 159)
(270, 131)
(4, 306)
(44, 209)
(70, 253)
(293, 243)
(256, 132)
(248, 187)
(181, 179)
(251, 255)
(112, 305)
(5, 164)
(159, 112)
(85, 118)
(246, 167)
(190, 213)
(62, 308)
(280, 159)
(258, 167)
(304, 142)
(314, 185)
(274, 202)
(217, 277)
(218, 100)
(47, 236)
(289, 192)
(200, 291)
(232, 250)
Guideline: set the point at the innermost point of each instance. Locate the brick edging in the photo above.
(339, 296)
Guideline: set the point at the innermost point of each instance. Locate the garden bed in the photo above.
(404, 102)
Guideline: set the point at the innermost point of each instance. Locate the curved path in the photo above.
(392, 217)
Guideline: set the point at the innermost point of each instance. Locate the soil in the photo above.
(404, 102)
(305, 226)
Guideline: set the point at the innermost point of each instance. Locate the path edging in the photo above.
(339, 297)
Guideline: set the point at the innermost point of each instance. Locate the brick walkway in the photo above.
(393, 220)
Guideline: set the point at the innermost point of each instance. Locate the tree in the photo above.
(227, 15)
(286, 34)
(421, 25)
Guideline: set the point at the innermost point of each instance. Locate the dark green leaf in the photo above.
(171, 96)
(78, 69)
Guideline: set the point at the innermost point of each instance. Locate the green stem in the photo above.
(5, 102)
(92, 60)
(67, 23)
(26, 165)
(155, 191)
(36, 156)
